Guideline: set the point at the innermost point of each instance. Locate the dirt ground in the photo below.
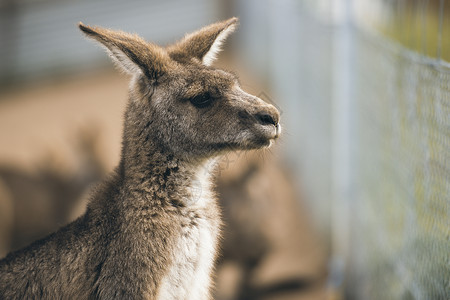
(40, 123)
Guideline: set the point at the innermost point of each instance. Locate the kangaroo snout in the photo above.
(270, 116)
(261, 117)
(257, 109)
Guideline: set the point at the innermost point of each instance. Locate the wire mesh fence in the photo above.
(401, 143)
(400, 212)
(388, 218)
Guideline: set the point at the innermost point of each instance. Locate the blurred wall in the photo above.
(40, 37)
(291, 50)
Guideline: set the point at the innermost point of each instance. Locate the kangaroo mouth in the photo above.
(264, 136)
(253, 137)
(271, 132)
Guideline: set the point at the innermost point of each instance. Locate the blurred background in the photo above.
(354, 200)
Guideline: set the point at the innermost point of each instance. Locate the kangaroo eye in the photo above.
(201, 100)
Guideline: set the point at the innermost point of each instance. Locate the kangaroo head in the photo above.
(180, 103)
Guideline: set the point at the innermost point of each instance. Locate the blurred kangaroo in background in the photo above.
(35, 203)
(150, 230)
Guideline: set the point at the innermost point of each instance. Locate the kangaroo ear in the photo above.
(205, 43)
(130, 52)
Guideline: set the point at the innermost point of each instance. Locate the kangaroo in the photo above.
(40, 201)
(150, 230)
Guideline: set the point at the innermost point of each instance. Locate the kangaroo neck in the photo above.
(163, 178)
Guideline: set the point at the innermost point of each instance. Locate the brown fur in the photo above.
(127, 245)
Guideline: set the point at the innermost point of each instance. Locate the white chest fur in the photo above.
(189, 276)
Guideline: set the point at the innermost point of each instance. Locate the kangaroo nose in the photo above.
(266, 119)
